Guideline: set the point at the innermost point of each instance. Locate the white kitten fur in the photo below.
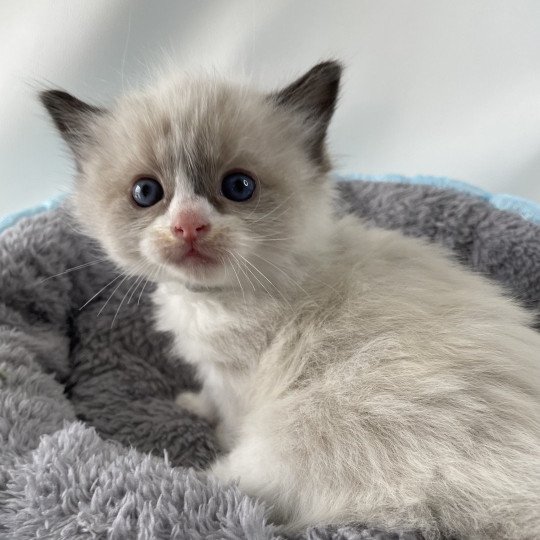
(403, 391)
(354, 374)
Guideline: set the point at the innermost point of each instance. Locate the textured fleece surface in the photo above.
(91, 442)
(526, 208)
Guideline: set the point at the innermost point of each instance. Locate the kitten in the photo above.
(355, 374)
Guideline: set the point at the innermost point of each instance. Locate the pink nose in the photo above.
(190, 226)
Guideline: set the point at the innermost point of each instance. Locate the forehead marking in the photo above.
(200, 152)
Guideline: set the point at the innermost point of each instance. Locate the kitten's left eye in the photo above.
(238, 186)
(147, 192)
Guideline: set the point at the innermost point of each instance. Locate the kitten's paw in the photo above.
(223, 471)
(196, 403)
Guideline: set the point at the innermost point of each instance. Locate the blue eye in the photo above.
(147, 192)
(238, 187)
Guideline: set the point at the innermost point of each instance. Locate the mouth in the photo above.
(190, 258)
(194, 256)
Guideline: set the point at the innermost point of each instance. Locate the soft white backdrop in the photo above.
(432, 86)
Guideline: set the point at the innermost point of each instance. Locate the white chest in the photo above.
(199, 325)
(222, 337)
(223, 346)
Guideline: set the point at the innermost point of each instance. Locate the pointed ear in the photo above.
(314, 96)
(73, 118)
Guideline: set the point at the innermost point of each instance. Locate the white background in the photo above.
(450, 88)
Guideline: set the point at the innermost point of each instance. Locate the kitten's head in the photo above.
(202, 181)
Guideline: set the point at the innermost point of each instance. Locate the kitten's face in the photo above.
(203, 182)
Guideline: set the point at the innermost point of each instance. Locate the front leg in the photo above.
(198, 403)
(259, 472)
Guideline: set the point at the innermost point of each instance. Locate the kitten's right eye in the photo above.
(147, 192)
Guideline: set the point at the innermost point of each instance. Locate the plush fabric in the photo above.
(91, 443)
(503, 201)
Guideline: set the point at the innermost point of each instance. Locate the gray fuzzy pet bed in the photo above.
(91, 443)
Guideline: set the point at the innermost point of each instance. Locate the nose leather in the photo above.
(190, 225)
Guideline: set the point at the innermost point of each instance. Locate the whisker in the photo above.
(101, 290)
(142, 290)
(237, 278)
(284, 273)
(285, 249)
(150, 278)
(112, 294)
(258, 281)
(222, 262)
(146, 283)
(273, 218)
(264, 276)
(271, 239)
(273, 209)
(72, 269)
(133, 285)
(240, 267)
(138, 282)
(138, 268)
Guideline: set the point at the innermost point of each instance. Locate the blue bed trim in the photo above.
(525, 208)
(11, 219)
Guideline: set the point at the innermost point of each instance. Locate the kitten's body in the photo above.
(355, 374)
(370, 397)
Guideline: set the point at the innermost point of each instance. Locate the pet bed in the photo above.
(91, 443)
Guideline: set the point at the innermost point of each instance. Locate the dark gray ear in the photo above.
(73, 118)
(314, 96)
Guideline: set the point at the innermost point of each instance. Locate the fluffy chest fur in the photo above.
(223, 340)
(209, 329)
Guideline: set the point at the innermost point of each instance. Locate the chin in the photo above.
(198, 273)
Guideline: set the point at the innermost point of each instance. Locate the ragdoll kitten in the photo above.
(355, 374)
